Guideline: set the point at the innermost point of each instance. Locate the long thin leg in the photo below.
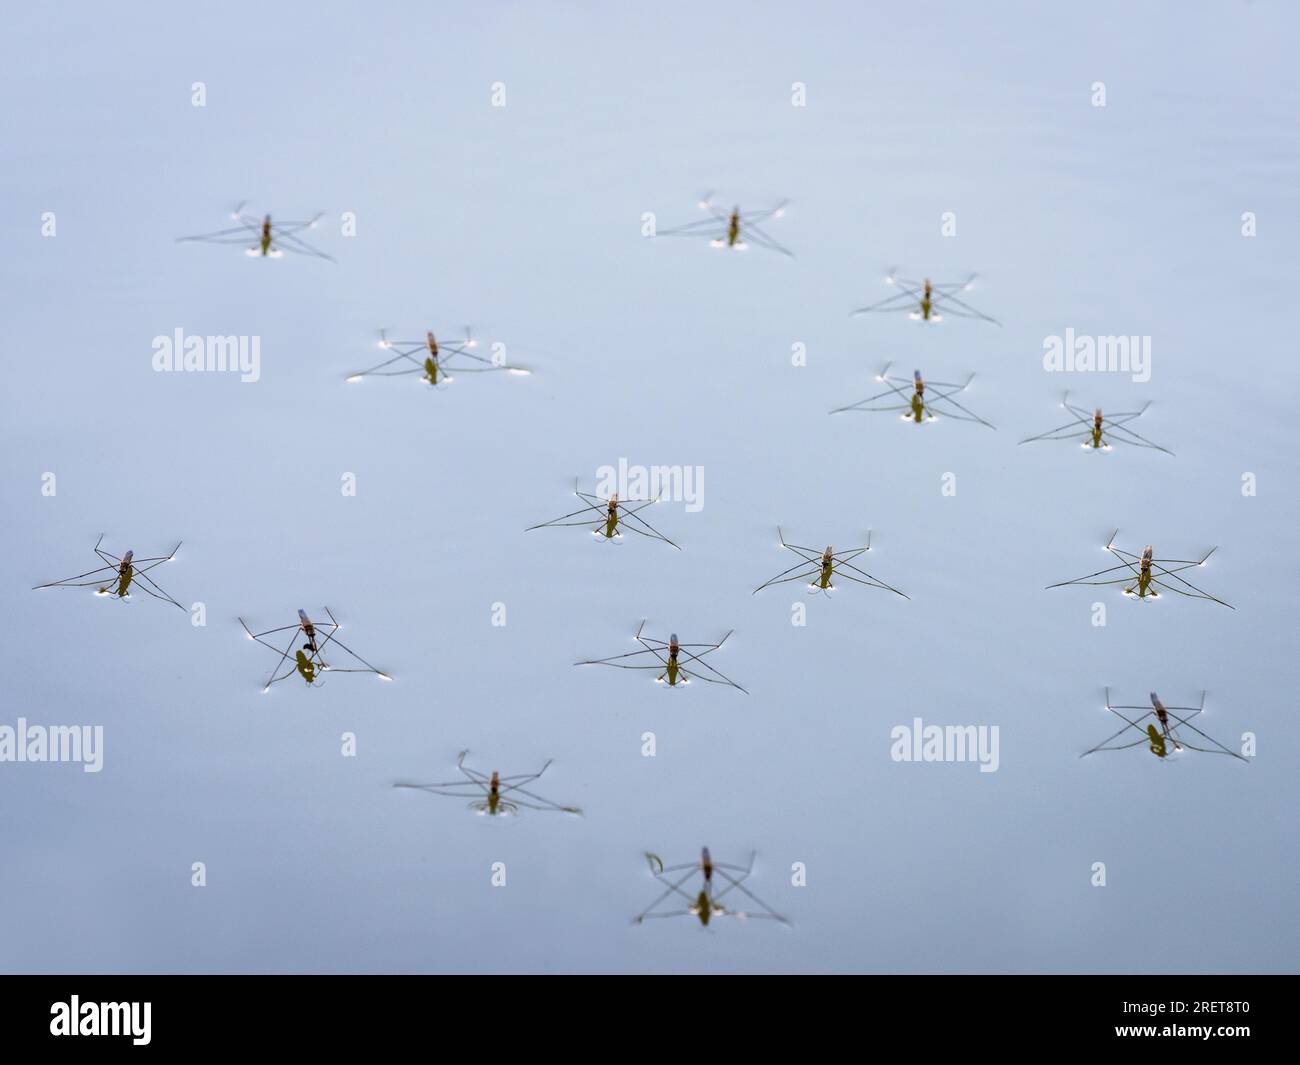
(369, 668)
(545, 804)
(289, 228)
(487, 366)
(781, 577)
(520, 779)
(284, 657)
(650, 531)
(1129, 567)
(1128, 723)
(1121, 417)
(69, 580)
(946, 287)
(1137, 440)
(673, 888)
(376, 370)
(810, 554)
(946, 397)
(763, 216)
(289, 242)
(241, 242)
(894, 389)
(760, 238)
(269, 632)
(735, 884)
(628, 517)
(1118, 747)
(157, 593)
(443, 789)
(151, 563)
(972, 418)
(874, 582)
(1050, 434)
(70, 583)
(698, 228)
(719, 677)
(614, 660)
(218, 236)
(859, 406)
(594, 526)
(1117, 580)
(333, 637)
(910, 292)
(1195, 592)
(1221, 748)
(572, 514)
(743, 869)
(948, 298)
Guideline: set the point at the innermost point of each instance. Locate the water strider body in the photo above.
(733, 228)
(1157, 738)
(1161, 733)
(125, 574)
(493, 795)
(308, 661)
(610, 529)
(120, 575)
(264, 242)
(827, 567)
(704, 903)
(919, 409)
(1143, 585)
(431, 360)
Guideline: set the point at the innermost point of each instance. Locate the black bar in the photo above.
(336, 1013)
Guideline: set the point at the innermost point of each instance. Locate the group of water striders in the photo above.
(309, 648)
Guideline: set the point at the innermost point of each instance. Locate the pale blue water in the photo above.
(524, 221)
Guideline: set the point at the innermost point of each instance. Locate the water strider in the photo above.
(1159, 735)
(490, 792)
(704, 903)
(1144, 574)
(735, 229)
(1097, 431)
(925, 401)
(308, 661)
(273, 239)
(433, 359)
(926, 301)
(819, 567)
(120, 575)
(607, 518)
(669, 659)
